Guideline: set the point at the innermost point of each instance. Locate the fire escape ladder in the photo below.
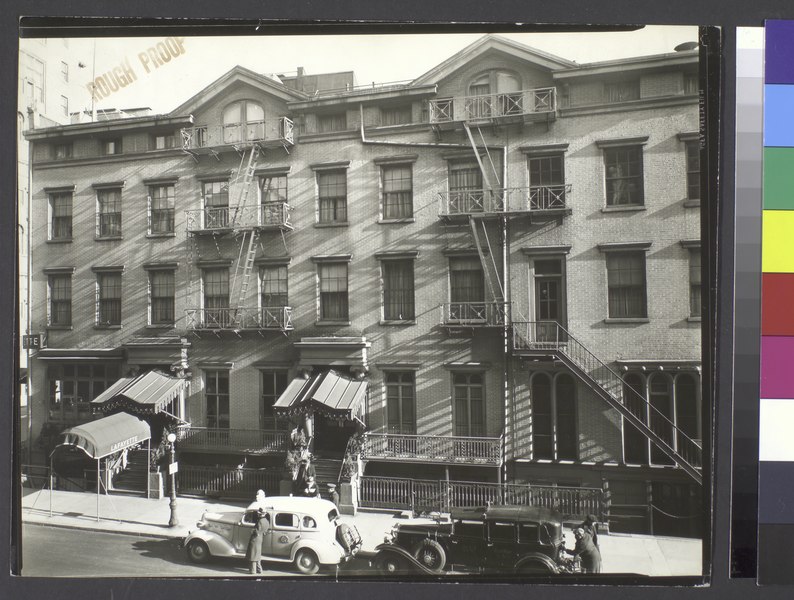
(490, 272)
(245, 176)
(549, 338)
(242, 273)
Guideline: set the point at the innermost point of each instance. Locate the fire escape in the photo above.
(244, 218)
(541, 340)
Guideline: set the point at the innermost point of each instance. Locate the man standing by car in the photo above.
(254, 551)
(587, 552)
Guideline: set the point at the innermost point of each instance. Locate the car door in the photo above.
(284, 532)
(242, 531)
(467, 543)
(500, 547)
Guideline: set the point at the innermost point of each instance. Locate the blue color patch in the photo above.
(779, 115)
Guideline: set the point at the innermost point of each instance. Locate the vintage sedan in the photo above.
(495, 539)
(303, 531)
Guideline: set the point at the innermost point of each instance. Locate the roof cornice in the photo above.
(108, 126)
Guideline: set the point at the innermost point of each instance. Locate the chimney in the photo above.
(301, 72)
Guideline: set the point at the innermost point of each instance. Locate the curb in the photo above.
(103, 530)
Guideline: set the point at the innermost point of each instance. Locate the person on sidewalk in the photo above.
(254, 552)
(586, 550)
(333, 495)
(259, 501)
(590, 525)
(311, 490)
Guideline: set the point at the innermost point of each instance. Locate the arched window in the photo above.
(687, 408)
(542, 433)
(635, 444)
(494, 93)
(661, 417)
(243, 121)
(565, 411)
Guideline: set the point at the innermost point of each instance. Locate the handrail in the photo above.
(265, 215)
(475, 313)
(210, 136)
(431, 448)
(487, 106)
(239, 319)
(534, 198)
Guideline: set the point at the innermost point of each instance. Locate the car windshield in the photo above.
(333, 515)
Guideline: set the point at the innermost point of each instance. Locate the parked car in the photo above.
(303, 531)
(496, 539)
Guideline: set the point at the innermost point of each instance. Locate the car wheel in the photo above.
(535, 567)
(430, 555)
(389, 564)
(198, 552)
(306, 562)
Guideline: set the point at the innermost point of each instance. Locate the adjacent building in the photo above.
(488, 275)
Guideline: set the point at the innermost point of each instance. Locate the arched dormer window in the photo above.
(243, 121)
(494, 93)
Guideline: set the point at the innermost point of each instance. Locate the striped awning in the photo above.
(108, 435)
(148, 393)
(327, 393)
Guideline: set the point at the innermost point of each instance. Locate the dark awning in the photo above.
(105, 436)
(148, 393)
(328, 393)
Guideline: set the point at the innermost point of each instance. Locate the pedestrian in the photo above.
(333, 494)
(259, 501)
(586, 550)
(590, 525)
(254, 552)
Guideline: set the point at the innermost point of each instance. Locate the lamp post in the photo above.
(171, 437)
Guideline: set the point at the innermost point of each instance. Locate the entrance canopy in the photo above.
(148, 393)
(327, 393)
(108, 435)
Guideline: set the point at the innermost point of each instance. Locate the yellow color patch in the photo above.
(778, 241)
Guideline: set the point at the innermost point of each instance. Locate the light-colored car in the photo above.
(303, 531)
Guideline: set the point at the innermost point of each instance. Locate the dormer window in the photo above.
(494, 93)
(243, 121)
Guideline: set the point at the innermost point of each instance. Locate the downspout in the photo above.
(508, 318)
(28, 275)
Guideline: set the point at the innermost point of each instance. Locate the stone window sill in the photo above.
(619, 320)
(609, 209)
(60, 241)
(60, 327)
(396, 221)
(397, 322)
(330, 323)
(108, 327)
(108, 238)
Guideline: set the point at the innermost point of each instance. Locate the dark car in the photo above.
(495, 539)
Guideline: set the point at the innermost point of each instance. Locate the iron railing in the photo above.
(226, 481)
(250, 441)
(551, 336)
(442, 496)
(239, 319)
(490, 106)
(431, 448)
(268, 215)
(483, 314)
(533, 199)
(206, 136)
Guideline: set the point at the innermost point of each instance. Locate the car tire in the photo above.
(431, 555)
(198, 552)
(389, 564)
(534, 567)
(306, 562)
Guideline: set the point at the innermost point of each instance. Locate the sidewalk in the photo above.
(621, 553)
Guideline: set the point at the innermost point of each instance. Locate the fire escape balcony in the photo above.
(274, 318)
(268, 215)
(474, 314)
(211, 138)
(248, 441)
(439, 449)
(537, 202)
(521, 106)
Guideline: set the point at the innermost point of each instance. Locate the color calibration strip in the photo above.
(776, 414)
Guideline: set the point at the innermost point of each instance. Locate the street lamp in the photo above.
(171, 437)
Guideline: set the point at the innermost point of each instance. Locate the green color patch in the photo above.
(779, 178)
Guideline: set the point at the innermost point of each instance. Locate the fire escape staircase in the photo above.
(550, 339)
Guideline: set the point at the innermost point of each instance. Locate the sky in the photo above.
(374, 58)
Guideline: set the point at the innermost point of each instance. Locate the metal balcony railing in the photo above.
(431, 448)
(492, 106)
(483, 314)
(534, 199)
(237, 319)
(268, 215)
(280, 130)
(253, 441)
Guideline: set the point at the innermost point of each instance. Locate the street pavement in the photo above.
(621, 553)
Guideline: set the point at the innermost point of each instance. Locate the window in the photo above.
(624, 178)
(217, 393)
(287, 520)
(161, 297)
(216, 204)
(501, 531)
(273, 188)
(164, 141)
(495, 93)
(622, 91)
(687, 409)
(554, 418)
(161, 209)
(398, 290)
(400, 402)
(397, 183)
(465, 187)
(243, 121)
(333, 122)
(274, 383)
(274, 298)
(693, 170)
(111, 146)
(565, 413)
(626, 283)
(65, 71)
(466, 281)
(109, 217)
(332, 192)
(60, 292)
(542, 426)
(61, 151)
(72, 386)
(109, 294)
(333, 292)
(216, 298)
(546, 182)
(397, 115)
(635, 444)
(695, 307)
(660, 395)
(65, 106)
(61, 211)
(469, 401)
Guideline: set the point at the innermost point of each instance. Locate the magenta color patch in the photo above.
(777, 367)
